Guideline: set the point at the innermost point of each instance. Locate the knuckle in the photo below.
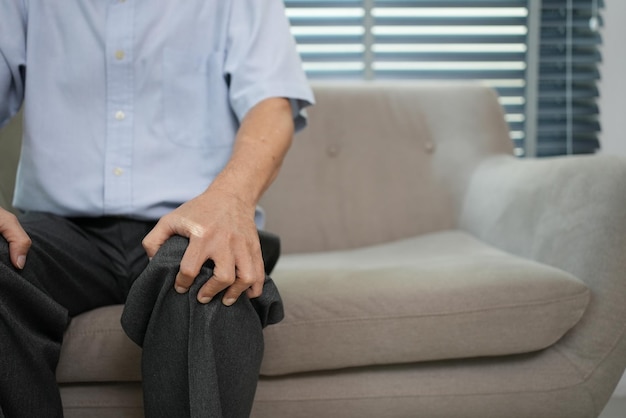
(255, 293)
(187, 272)
(146, 243)
(224, 280)
(248, 280)
(260, 273)
(166, 219)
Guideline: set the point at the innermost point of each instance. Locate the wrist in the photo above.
(238, 196)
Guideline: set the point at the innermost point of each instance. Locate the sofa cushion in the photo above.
(438, 296)
(96, 349)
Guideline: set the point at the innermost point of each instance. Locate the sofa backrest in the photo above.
(382, 161)
(378, 162)
(10, 141)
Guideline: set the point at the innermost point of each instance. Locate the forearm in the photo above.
(220, 222)
(262, 142)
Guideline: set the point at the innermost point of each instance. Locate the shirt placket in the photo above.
(119, 107)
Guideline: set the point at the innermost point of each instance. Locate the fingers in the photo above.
(197, 253)
(239, 274)
(19, 241)
(223, 277)
(238, 264)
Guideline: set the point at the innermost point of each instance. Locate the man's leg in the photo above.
(198, 360)
(65, 274)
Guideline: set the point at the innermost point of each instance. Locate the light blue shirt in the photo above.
(131, 106)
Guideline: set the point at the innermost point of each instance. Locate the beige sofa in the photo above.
(427, 272)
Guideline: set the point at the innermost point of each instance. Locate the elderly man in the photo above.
(151, 130)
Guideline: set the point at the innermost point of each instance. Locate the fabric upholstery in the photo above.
(437, 296)
(538, 385)
(382, 161)
(105, 400)
(568, 213)
(4, 201)
(9, 153)
(96, 349)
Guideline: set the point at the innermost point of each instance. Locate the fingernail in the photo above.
(229, 301)
(180, 289)
(21, 261)
(204, 299)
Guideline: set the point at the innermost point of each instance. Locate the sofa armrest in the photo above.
(568, 212)
(10, 144)
(527, 205)
(4, 202)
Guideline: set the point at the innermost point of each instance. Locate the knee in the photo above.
(165, 264)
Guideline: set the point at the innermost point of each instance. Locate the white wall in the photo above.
(613, 84)
(613, 104)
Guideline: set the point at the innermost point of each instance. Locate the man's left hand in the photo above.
(220, 227)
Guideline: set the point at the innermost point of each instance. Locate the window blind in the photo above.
(330, 36)
(456, 40)
(484, 40)
(568, 74)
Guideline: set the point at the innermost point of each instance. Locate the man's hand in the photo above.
(220, 227)
(19, 241)
(220, 222)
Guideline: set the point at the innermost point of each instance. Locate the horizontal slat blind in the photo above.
(456, 40)
(485, 40)
(425, 40)
(568, 75)
(330, 36)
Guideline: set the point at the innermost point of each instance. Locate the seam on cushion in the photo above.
(612, 349)
(581, 374)
(583, 380)
(587, 375)
(436, 314)
(429, 396)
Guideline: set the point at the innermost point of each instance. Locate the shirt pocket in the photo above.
(195, 99)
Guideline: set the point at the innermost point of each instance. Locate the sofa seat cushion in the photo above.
(96, 349)
(439, 296)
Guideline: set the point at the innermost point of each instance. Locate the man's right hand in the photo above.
(18, 239)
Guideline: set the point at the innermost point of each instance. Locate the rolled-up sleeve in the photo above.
(262, 60)
(12, 57)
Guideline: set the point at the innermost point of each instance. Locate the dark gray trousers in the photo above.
(198, 360)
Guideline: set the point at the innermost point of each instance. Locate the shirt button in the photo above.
(119, 54)
(118, 171)
(119, 115)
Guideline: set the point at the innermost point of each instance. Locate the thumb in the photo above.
(18, 253)
(19, 241)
